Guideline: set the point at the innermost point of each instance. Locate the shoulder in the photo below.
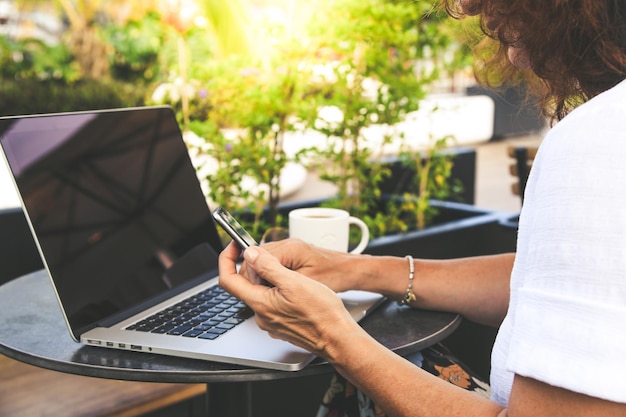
(586, 150)
(598, 123)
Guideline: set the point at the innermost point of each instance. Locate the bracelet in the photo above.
(409, 296)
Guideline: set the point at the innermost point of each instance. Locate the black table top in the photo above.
(32, 330)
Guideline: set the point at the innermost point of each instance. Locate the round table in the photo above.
(33, 330)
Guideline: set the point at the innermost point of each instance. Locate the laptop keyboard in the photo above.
(206, 315)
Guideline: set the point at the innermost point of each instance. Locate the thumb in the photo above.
(265, 264)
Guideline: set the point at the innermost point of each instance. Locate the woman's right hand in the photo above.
(293, 307)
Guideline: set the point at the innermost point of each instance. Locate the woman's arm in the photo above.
(477, 287)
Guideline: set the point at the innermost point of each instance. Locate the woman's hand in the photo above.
(300, 310)
(333, 269)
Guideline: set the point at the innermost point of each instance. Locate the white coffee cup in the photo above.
(327, 228)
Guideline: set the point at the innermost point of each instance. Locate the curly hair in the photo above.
(576, 48)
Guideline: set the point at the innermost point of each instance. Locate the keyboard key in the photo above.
(179, 330)
(163, 329)
(208, 336)
(193, 333)
(217, 331)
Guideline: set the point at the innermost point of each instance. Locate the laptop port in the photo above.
(135, 347)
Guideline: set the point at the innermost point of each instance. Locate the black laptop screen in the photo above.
(115, 205)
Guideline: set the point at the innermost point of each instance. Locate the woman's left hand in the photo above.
(296, 308)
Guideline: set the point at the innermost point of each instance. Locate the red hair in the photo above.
(577, 48)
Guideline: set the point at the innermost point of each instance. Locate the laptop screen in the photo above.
(115, 204)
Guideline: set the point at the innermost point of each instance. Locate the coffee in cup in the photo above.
(327, 228)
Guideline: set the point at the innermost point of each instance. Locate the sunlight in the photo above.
(181, 14)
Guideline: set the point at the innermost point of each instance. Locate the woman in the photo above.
(560, 302)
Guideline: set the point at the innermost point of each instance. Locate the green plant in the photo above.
(433, 168)
(373, 57)
(430, 171)
(135, 47)
(29, 96)
(33, 59)
(249, 110)
(39, 78)
(236, 109)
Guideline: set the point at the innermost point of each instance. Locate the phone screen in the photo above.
(233, 228)
(239, 235)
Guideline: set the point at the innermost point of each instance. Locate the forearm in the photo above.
(399, 387)
(476, 287)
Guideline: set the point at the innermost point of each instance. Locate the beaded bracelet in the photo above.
(409, 296)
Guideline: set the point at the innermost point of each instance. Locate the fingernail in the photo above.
(251, 254)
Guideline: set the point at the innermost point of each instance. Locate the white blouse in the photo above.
(566, 324)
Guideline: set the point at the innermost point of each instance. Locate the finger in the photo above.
(233, 282)
(227, 263)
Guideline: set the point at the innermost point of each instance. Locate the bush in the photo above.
(31, 96)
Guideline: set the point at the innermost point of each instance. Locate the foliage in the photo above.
(228, 28)
(374, 78)
(364, 67)
(136, 45)
(247, 113)
(41, 78)
(33, 59)
(30, 96)
(237, 104)
(433, 168)
(431, 171)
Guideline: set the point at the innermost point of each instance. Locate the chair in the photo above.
(523, 157)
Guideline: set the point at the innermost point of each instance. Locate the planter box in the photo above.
(463, 172)
(460, 230)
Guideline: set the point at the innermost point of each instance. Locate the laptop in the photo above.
(127, 237)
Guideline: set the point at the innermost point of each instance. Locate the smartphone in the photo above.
(240, 236)
(233, 228)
